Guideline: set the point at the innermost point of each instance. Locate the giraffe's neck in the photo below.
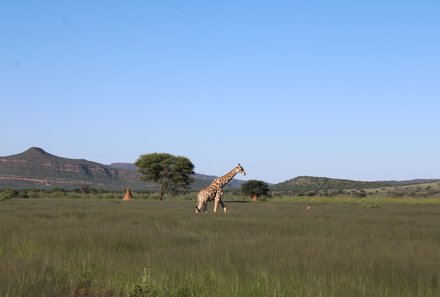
(222, 181)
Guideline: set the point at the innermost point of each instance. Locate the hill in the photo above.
(311, 184)
(415, 190)
(36, 168)
(124, 166)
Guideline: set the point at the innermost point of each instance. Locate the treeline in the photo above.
(56, 193)
(419, 191)
(83, 192)
(100, 193)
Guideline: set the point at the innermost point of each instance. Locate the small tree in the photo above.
(170, 172)
(255, 189)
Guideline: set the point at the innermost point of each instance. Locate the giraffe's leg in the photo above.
(202, 207)
(198, 209)
(197, 206)
(218, 199)
(201, 203)
(223, 205)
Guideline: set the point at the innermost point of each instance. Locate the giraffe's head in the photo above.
(240, 169)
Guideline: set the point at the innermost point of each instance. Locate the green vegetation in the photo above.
(170, 172)
(398, 194)
(328, 187)
(306, 247)
(302, 185)
(409, 191)
(89, 193)
(255, 189)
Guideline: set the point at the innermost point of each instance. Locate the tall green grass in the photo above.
(86, 247)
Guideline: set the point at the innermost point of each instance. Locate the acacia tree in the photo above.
(170, 172)
(255, 189)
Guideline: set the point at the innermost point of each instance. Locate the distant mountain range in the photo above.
(35, 168)
(304, 184)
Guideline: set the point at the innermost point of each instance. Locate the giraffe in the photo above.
(215, 190)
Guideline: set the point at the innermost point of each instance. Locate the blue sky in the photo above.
(344, 89)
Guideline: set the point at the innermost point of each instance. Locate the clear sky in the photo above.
(344, 89)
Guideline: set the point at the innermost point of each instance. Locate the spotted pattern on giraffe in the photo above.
(215, 191)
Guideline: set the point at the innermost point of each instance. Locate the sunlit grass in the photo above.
(288, 247)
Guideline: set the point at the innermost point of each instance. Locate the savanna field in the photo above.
(288, 247)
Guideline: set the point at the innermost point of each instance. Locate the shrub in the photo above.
(144, 288)
(8, 194)
(255, 189)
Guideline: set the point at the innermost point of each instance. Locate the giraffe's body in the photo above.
(215, 191)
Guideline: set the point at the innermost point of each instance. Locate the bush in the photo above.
(144, 288)
(8, 194)
(310, 193)
(22, 194)
(359, 194)
(255, 189)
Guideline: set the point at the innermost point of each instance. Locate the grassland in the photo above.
(105, 247)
